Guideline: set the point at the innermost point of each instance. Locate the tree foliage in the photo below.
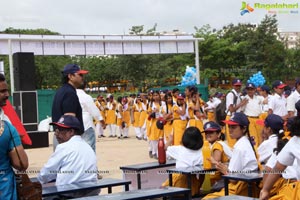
(235, 50)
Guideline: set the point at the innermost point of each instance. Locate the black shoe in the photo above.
(125, 136)
(139, 138)
(99, 136)
(155, 157)
(111, 136)
(103, 136)
(120, 137)
(150, 154)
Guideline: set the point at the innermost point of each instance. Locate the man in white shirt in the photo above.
(73, 160)
(89, 112)
(292, 100)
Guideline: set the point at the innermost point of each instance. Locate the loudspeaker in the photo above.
(25, 103)
(24, 71)
(39, 139)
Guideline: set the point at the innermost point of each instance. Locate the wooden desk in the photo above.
(51, 189)
(139, 169)
(144, 194)
(249, 178)
(189, 171)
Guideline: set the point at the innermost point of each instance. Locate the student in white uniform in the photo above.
(273, 128)
(253, 109)
(188, 154)
(292, 99)
(277, 105)
(286, 157)
(243, 158)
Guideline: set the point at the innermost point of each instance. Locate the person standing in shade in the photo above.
(66, 101)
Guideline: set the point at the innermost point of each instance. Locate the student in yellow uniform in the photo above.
(126, 116)
(136, 110)
(243, 159)
(179, 119)
(156, 110)
(119, 111)
(168, 127)
(220, 151)
(143, 117)
(101, 105)
(111, 118)
(186, 155)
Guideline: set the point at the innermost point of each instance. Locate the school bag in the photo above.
(220, 110)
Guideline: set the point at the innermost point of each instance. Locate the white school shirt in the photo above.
(89, 109)
(291, 101)
(278, 105)
(265, 107)
(253, 107)
(72, 162)
(266, 148)
(289, 173)
(290, 152)
(230, 100)
(185, 157)
(243, 158)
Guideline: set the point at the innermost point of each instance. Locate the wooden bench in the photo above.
(235, 197)
(188, 171)
(151, 170)
(50, 189)
(144, 194)
(248, 178)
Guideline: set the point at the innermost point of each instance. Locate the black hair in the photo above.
(252, 142)
(166, 100)
(192, 138)
(65, 78)
(280, 143)
(2, 77)
(222, 136)
(295, 126)
(119, 99)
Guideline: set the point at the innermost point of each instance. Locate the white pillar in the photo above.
(11, 69)
(197, 61)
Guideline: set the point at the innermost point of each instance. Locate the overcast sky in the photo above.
(95, 17)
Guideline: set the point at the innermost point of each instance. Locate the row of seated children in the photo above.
(242, 158)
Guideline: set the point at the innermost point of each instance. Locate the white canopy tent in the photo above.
(97, 45)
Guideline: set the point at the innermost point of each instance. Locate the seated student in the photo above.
(273, 127)
(243, 159)
(220, 151)
(73, 160)
(188, 154)
(286, 157)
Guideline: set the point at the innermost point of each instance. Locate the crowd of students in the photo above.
(260, 133)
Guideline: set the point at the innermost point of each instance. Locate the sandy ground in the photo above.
(111, 154)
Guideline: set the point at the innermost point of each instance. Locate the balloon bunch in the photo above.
(189, 77)
(257, 79)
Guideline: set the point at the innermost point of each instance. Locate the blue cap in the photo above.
(250, 85)
(211, 126)
(72, 69)
(67, 121)
(238, 118)
(236, 82)
(274, 121)
(278, 84)
(265, 88)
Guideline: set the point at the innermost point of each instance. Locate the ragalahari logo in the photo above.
(246, 8)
